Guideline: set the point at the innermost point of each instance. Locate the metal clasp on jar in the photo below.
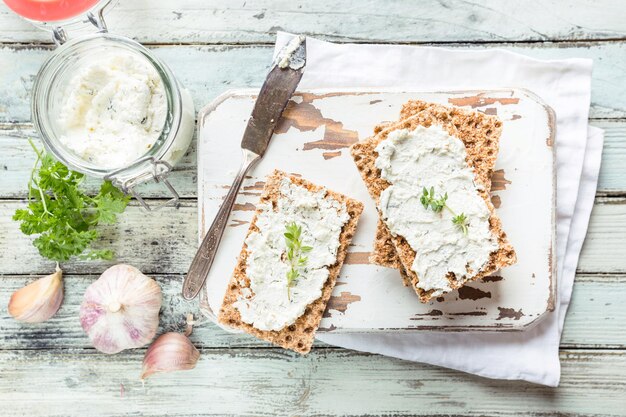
(59, 35)
(159, 170)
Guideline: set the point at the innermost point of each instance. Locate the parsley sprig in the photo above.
(295, 252)
(428, 199)
(62, 215)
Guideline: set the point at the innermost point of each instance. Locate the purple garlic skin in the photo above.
(121, 309)
(170, 352)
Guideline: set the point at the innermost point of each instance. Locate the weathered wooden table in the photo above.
(50, 369)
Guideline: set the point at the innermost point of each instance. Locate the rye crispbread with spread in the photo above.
(300, 335)
(480, 133)
(384, 252)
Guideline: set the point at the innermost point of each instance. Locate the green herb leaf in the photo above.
(429, 200)
(109, 207)
(295, 250)
(461, 221)
(62, 215)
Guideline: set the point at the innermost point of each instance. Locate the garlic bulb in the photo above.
(170, 352)
(121, 309)
(39, 300)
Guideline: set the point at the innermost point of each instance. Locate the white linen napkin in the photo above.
(532, 355)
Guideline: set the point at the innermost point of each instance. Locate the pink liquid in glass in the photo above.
(50, 10)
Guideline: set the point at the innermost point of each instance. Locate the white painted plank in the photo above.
(205, 71)
(18, 158)
(201, 21)
(604, 250)
(64, 330)
(613, 169)
(166, 242)
(596, 317)
(210, 70)
(270, 382)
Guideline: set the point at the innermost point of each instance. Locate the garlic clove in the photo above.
(39, 300)
(170, 352)
(121, 309)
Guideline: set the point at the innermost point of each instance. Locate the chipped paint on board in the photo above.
(481, 100)
(468, 292)
(492, 278)
(257, 186)
(498, 181)
(341, 302)
(469, 313)
(330, 155)
(358, 276)
(357, 258)
(509, 313)
(244, 207)
(304, 116)
(235, 223)
(431, 313)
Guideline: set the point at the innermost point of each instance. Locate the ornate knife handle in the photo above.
(201, 264)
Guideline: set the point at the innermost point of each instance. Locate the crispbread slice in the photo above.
(384, 253)
(480, 133)
(299, 336)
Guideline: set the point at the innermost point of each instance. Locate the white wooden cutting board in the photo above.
(313, 139)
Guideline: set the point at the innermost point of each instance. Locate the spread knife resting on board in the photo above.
(279, 86)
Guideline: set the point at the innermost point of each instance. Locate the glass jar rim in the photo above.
(45, 85)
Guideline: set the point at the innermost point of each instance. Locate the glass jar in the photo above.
(50, 94)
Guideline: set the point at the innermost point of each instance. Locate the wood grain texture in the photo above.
(18, 158)
(225, 21)
(172, 241)
(46, 370)
(155, 244)
(326, 382)
(205, 71)
(612, 179)
(208, 71)
(597, 299)
(603, 250)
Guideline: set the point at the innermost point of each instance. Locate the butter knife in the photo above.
(279, 86)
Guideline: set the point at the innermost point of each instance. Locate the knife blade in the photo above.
(279, 86)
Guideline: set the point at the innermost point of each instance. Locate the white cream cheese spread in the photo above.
(268, 305)
(292, 55)
(114, 110)
(429, 157)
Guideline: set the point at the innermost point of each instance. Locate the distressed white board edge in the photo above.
(516, 325)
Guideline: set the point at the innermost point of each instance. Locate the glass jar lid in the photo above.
(50, 14)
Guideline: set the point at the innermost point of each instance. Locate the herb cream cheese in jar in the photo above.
(106, 106)
(113, 110)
